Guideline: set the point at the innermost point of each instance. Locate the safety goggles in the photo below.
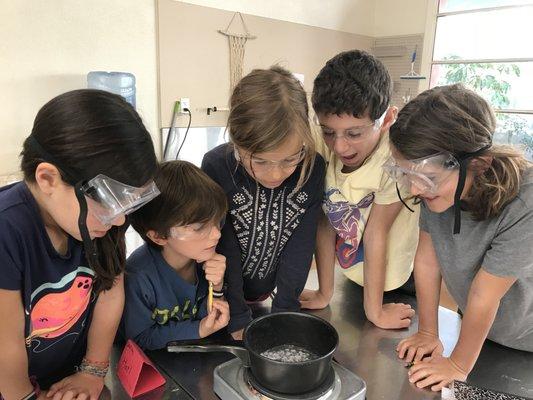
(260, 165)
(108, 199)
(353, 135)
(426, 174)
(196, 231)
(103, 196)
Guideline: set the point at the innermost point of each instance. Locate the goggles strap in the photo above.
(464, 159)
(90, 250)
(402, 200)
(68, 173)
(457, 196)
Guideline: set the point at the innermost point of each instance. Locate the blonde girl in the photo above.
(273, 180)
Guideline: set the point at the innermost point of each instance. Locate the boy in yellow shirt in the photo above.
(365, 229)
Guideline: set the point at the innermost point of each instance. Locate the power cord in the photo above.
(186, 131)
(170, 131)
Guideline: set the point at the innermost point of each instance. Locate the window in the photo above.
(485, 45)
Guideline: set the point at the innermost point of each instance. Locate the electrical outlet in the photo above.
(185, 102)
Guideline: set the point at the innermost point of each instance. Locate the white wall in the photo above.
(399, 17)
(409, 17)
(48, 46)
(203, 74)
(353, 16)
(365, 17)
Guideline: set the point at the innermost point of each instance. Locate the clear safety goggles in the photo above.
(355, 134)
(196, 231)
(108, 199)
(426, 173)
(261, 165)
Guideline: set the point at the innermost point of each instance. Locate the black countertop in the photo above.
(363, 348)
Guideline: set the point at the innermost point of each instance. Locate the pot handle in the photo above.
(196, 346)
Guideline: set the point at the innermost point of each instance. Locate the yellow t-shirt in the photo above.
(348, 201)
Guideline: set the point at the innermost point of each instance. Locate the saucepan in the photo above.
(287, 352)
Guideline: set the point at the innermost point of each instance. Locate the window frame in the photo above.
(433, 11)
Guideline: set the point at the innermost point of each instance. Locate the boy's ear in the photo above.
(390, 118)
(156, 238)
(47, 177)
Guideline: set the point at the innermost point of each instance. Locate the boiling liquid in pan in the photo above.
(289, 353)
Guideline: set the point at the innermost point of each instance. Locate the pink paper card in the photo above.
(136, 372)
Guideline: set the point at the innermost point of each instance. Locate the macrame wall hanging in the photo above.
(237, 43)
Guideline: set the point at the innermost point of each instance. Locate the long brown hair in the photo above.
(86, 133)
(456, 120)
(267, 106)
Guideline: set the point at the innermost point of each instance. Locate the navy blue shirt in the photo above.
(160, 305)
(269, 238)
(56, 289)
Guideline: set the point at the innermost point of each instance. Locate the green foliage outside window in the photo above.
(491, 80)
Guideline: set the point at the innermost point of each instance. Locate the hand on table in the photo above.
(437, 372)
(314, 299)
(80, 386)
(419, 345)
(393, 316)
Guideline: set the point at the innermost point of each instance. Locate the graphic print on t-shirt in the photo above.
(346, 219)
(57, 307)
(186, 311)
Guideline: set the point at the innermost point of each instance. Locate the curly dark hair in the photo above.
(355, 83)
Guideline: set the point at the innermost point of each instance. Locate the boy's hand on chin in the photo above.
(214, 269)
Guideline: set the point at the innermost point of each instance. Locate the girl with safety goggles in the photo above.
(273, 180)
(87, 163)
(476, 229)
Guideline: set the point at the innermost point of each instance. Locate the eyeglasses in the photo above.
(355, 134)
(196, 231)
(426, 173)
(260, 165)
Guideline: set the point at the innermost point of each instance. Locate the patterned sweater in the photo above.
(269, 236)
